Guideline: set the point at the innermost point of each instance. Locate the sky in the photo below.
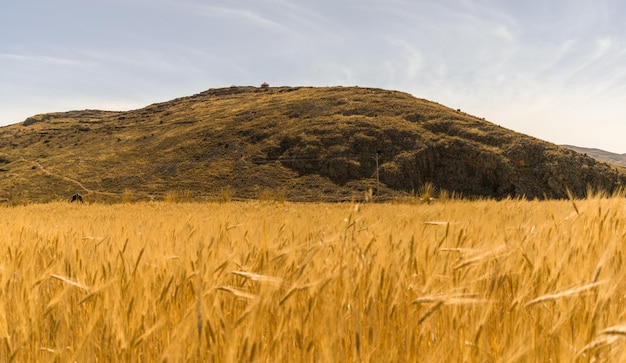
(552, 69)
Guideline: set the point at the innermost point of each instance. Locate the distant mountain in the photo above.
(302, 143)
(609, 157)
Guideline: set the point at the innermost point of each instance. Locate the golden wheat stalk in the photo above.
(238, 293)
(614, 330)
(598, 343)
(148, 332)
(295, 289)
(70, 282)
(450, 299)
(276, 281)
(565, 293)
(607, 336)
(459, 250)
(436, 223)
(492, 254)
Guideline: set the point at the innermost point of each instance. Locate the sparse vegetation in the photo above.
(127, 196)
(504, 281)
(171, 197)
(271, 195)
(176, 197)
(427, 192)
(226, 194)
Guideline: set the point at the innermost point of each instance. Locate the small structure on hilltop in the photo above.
(76, 198)
(265, 85)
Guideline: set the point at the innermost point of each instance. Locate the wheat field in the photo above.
(465, 281)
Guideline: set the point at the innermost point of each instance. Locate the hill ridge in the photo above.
(301, 143)
(599, 154)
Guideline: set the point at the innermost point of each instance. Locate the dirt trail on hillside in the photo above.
(66, 178)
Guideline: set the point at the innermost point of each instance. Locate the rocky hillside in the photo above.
(299, 143)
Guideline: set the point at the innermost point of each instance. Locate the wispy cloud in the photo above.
(233, 11)
(39, 59)
(531, 66)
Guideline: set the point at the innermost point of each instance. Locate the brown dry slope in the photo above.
(298, 142)
(609, 157)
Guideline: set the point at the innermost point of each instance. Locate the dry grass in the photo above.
(309, 143)
(448, 281)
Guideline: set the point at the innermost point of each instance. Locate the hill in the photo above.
(609, 157)
(300, 143)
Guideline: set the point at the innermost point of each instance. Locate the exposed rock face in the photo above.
(498, 165)
(310, 143)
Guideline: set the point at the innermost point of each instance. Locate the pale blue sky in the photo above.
(553, 69)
